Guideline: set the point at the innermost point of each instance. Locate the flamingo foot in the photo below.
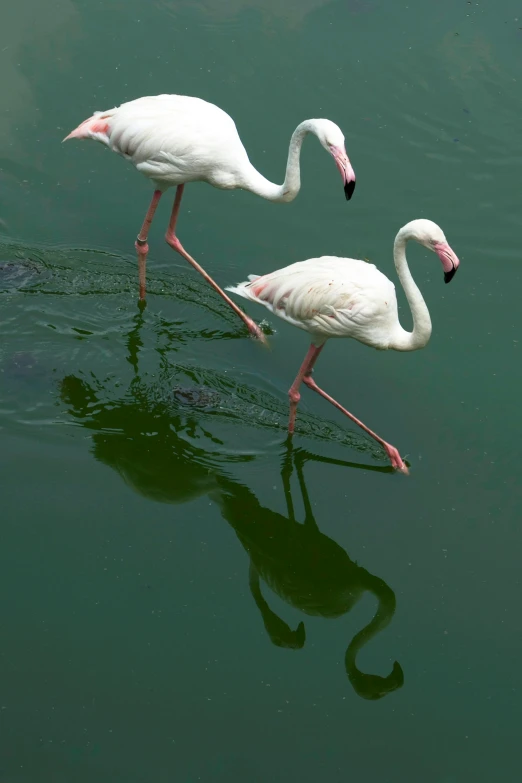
(255, 331)
(396, 459)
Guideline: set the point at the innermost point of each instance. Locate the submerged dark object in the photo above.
(17, 273)
(197, 396)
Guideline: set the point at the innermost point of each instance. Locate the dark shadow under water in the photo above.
(162, 436)
(143, 437)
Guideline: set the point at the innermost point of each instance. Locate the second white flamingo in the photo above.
(345, 297)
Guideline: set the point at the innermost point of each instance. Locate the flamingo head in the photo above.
(432, 236)
(332, 139)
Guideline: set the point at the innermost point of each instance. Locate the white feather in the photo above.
(329, 297)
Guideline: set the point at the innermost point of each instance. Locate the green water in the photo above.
(179, 587)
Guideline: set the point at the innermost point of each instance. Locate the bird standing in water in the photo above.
(175, 139)
(345, 297)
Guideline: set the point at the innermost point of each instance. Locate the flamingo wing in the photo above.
(329, 297)
(171, 138)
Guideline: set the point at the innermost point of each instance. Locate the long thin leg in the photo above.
(141, 242)
(393, 454)
(293, 393)
(174, 242)
(175, 211)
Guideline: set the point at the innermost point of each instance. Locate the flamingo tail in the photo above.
(95, 127)
(242, 289)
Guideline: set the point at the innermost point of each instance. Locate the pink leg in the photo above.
(293, 393)
(391, 451)
(174, 242)
(141, 242)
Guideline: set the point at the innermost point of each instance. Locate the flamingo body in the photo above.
(329, 297)
(172, 140)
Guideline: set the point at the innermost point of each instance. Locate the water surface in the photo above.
(187, 597)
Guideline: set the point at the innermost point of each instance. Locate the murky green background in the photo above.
(177, 585)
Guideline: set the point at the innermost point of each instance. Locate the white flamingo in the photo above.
(344, 297)
(175, 139)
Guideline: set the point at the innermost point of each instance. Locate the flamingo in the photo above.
(345, 297)
(175, 139)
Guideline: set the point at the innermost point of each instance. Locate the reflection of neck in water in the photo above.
(372, 686)
(142, 438)
(308, 570)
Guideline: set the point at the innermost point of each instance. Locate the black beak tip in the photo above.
(349, 187)
(448, 276)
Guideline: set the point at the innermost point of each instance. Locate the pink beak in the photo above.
(345, 168)
(450, 262)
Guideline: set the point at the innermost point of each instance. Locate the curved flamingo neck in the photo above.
(258, 184)
(401, 339)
